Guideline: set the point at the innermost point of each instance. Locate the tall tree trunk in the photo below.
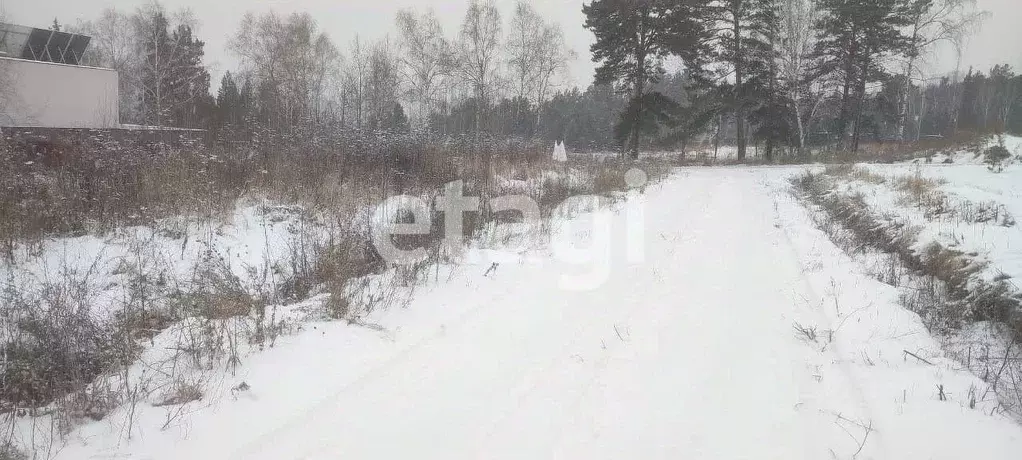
(956, 93)
(849, 80)
(773, 105)
(637, 126)
(903, 101)
(739, 96)
(846, 111)
(640, 82)
(800, 131)
(864, 74)
(716, 135)
(919, 117)
(903, 98)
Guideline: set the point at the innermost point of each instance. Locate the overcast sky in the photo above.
(999, 40)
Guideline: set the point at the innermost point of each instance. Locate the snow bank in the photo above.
(742, 333)
(254, 242)
(974, 155)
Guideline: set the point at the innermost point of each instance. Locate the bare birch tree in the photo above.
(425, 57)
(554, 56)
(382, 85)
(171, 75)
(797, 40)
(478, 53)
(292, 61)
(536, 54)
(355, 76)
(114, 45)
(933, 22)
(525, 34)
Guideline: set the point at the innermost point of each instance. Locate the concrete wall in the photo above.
(44, 94)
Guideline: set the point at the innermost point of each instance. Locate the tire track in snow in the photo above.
(376, 372)
(711, 368)
(848, 382)
(583, 377)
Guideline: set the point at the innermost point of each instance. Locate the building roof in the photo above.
(42, 44)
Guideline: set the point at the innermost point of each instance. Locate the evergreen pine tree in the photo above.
(764, 96)
(855, 36)
(398, 120)
(740, 42)
(174, 84)
(632, 39)
(188, 80)
(228, 99)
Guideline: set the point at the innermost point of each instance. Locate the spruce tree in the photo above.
(855, 36)
(735, 40)
(188, 80)
(632, 39)
(764, 95)
(174, 85)
(228, 99)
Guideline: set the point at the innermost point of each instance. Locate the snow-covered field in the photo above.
(707, 318)
(977, 209)
(257, 237)
(956, 223)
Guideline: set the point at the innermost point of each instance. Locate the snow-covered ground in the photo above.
(979, 208)
(973, 155)
(254, 244)
(740, 332)
(959, 220)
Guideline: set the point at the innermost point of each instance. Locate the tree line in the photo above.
(491, 75)
(784, 75)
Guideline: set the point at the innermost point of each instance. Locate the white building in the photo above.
(42, 85)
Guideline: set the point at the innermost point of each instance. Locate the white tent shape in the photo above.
(560, 153)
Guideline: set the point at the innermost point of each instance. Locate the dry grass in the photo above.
(925, 194)
(218, 293)
(806, 333)
(854, 226)
(854, 172)
(90, 188)
(56, 345)
(917, 187)
(9, 452)
(890, 152)
(182, 392)
(945, 286)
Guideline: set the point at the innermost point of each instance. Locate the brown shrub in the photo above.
(181, 392)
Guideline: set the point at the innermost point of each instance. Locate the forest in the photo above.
(801, 73)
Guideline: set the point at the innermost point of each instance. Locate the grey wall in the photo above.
(43, 94)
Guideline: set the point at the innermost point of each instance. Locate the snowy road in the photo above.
(654, 363)
(690, 354)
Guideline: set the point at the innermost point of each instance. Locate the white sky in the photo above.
(999, 40)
